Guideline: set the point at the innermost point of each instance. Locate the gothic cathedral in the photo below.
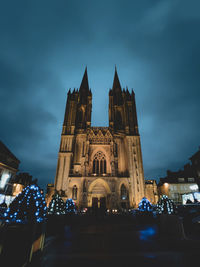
(100, 166)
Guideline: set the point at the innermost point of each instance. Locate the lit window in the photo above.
(190, 179)
(194, 187)
(4, 179)
(99, 163)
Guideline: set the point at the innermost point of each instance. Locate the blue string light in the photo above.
(70, 206)
(28, 206)
(145, 205)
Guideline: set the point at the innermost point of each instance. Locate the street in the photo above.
(116, 242)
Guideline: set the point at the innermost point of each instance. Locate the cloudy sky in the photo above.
(45, 46)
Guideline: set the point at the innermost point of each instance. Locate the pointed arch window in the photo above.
(74, 192)
(99, 163)
(124, 193)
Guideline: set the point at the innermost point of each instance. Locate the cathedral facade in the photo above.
(100, 166)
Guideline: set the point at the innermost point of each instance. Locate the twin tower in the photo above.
(100, 167)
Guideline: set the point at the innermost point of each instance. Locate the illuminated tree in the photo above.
(165, 205)
(145, 205)
(70, 206)
(28, 206)
(56, 206)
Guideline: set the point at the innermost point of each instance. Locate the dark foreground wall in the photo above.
(20, 243)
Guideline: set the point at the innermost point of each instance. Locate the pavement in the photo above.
(117, 242)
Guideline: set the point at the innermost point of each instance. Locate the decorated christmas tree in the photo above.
(145, 205)
(56, 206)
(28, 206)
(165, 205)
(70, 206)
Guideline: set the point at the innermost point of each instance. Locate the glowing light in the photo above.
(24, 207)
(145, 205)
(147, 233)
(56, 206)
(4, 179)
(70, 206)
(194, 187)
(165, 205)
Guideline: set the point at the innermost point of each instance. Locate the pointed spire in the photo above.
(84, 84)
(116, 82)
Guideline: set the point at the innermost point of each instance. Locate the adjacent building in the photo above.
(9, 165)
(179, 189)
(49, 193)
(20, 181)
(195, 160)
(151, 191)
(100, 166)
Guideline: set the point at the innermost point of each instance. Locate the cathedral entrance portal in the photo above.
(98, 194)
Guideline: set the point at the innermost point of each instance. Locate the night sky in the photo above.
(45, 46)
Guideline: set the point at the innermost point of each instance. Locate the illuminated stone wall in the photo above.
(175, 190)
(100, 166)
(151, 191)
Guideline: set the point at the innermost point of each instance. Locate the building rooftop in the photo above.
(7, 157)
(176, 180)
(195, 156)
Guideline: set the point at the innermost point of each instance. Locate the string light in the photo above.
(56, 206)
(28, 206)
(145, 205)
(70, 206)
(165, 205)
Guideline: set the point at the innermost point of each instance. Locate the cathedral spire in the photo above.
(84, 87)
(116, 82)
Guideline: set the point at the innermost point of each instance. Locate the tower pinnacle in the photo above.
(84, 87)
(116, 82)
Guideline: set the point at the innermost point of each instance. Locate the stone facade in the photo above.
(176, 188)
(151, 191)
(195, 159)
(49, 193)
(9, 165)
(100, 166)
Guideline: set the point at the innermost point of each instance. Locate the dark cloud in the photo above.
(45, 46)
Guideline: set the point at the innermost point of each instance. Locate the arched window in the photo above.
(74, 192)
(99, 163)
(124, 193)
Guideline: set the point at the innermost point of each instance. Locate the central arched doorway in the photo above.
(99, 192)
